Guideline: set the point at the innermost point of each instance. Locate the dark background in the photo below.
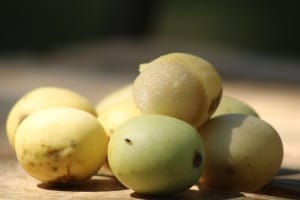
(267, 27)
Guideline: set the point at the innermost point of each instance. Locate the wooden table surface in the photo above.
(275, 102)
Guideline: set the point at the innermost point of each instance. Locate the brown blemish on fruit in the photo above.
(54, 153)
(32, 164)
(54, 169)
(197, 159)
(65, 179)
(128, 141)
(215, 102)
(111, 131)
(73, 144)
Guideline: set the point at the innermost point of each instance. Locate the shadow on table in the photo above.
(98, 184)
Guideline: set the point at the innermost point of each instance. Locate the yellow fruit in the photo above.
(116, 108)
(41, 98)
(243, 152)
(61, 145)
(120, 94)
(179, 85)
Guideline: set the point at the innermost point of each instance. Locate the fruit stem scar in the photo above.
(127, 140)
(197, 160)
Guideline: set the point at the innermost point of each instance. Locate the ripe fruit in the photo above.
(61, 145)
(116, 108)
(156, 154)
(42, 98)
(178, 85)
(232, 105)
(243, 152)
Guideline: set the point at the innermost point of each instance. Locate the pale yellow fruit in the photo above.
(41, 98)
(169, 88)
(204, 71)
(116, 96)
(116, 108)
(61, 145)
(243, 152)
(114, 115)
(232, 105)
(180, 85)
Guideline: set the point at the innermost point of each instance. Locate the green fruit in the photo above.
(156, 154)
(41, 98)
(61, 145)
(243, 153)
(232, 105)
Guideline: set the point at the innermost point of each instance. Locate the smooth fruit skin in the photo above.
(120, 94)
(232, 105)
(116, 108)
(243, 153)
(61, 145)
(156, 154)
(152, 80)
(41, 98)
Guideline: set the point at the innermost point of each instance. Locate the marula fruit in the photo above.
(156, 154)
(41, 98)
(61, 145)
(179, 85)
(243, 152)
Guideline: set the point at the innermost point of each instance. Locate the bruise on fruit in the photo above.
(65, 179)
(197, 159)
(128, 141)
(54, 153)
(215, 102)
(54, 169)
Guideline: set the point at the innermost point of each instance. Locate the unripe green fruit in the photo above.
(243, 152)
(156, 154)
(41, 98)
(232, 105)
(61, 145)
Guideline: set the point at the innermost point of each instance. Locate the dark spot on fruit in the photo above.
(54, 169)
(111, 131)
(128, 141)
(65, 179)
(31, 164)
(54, 153)
(43, 145)
(197, 160)
(25, 152)
(73, 144)
(229, 171)
(214, 103)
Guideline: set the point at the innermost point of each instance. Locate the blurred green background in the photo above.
(271, 27)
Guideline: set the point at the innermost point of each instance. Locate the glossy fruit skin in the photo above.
(179, 85)
(156, 154)
(230, 104)
(243, 153)
(116, 108)
(41, 98)
(61, 145)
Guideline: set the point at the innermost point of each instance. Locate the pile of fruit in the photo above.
(169, 129)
